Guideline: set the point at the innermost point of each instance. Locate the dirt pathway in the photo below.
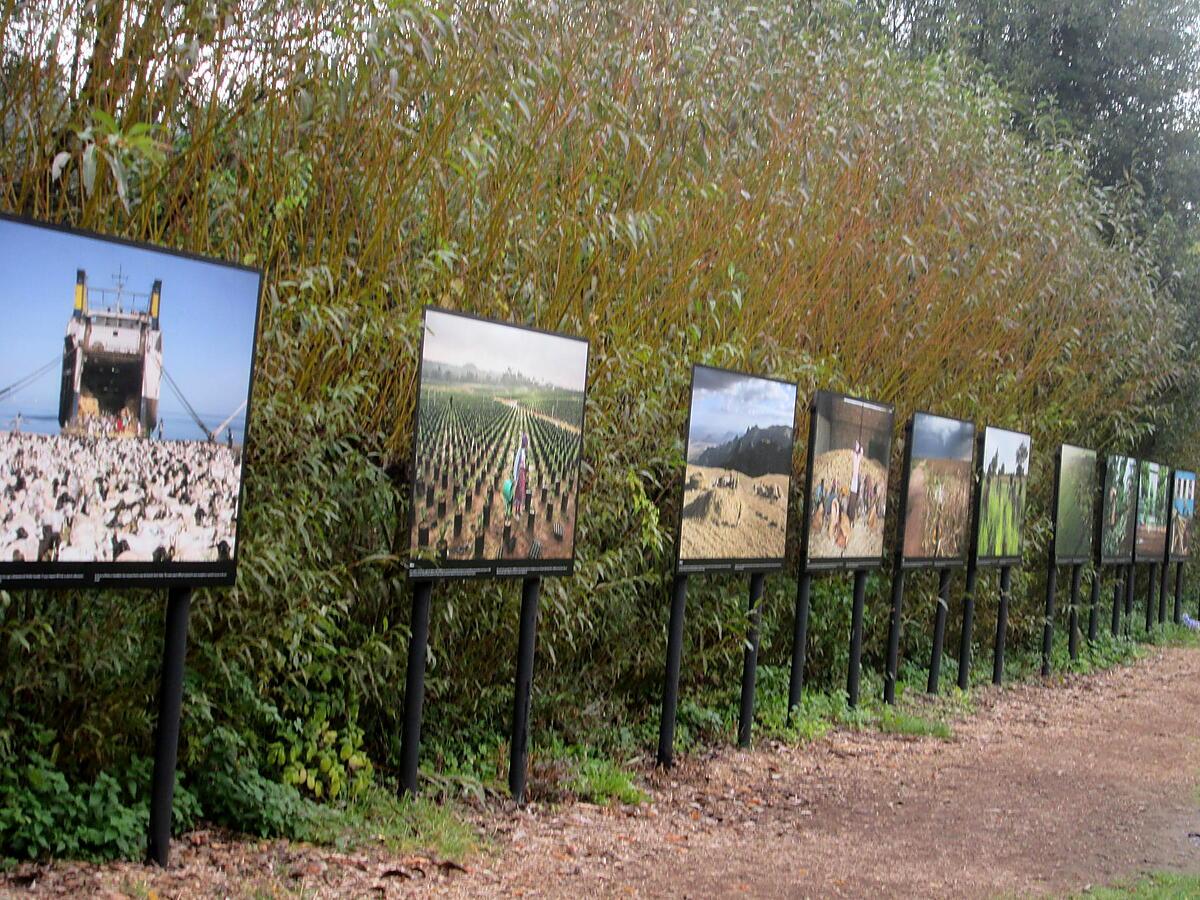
(1045, 789)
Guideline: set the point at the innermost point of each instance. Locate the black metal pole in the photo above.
(1094, 606)
(1073, 616)
(1178, 593)
(414, 688)
(1164, 575)
(1150, 590)
(1001, 625)
(1118, 590)
(939, 630)
(1048, 623)
(968, 626)
(666, 726)
(893, 657)
(856, 632)
(166, 732)
(1130, 588)
(799, 643)
(527, 638)
(750, 661)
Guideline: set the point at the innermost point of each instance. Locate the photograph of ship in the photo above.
(496, 453)
(1003, 482)
(1117, 510)
(739, 469)
(1183, 512)
(851, 445)
(124, 383)
(1075, 505)
(1154, 500)
(937, 509)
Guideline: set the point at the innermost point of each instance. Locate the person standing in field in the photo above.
(520, 467)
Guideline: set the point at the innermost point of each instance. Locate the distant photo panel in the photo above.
(1003, 489)
(1153, 510)
(1118, 510)
(850, 449)
(937, 510)
(739, 470)
(1183, 514)
(1075, 505)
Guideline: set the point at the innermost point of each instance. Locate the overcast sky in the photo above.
(727, 403)
(935, 437)
(495, 347)
(1006, 443)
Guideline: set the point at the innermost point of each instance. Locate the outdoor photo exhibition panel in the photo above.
(1153, 511)
(845, 510)
(497, 445)
(125, 379)
(1003, 468)
(1118, 505)
(737, 485)
(1002, 475)
(845, 505)
(937, 492)
(1183, 513)
(733, 512)
(1074, 505)
(125, 374)
(496, 451)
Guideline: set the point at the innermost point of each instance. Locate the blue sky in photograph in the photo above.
(727, 404)
(935, 437)
(207, 317)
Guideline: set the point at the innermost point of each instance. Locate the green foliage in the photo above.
(738, 186)
(408, 825)
(1158, 886)
(43, 813)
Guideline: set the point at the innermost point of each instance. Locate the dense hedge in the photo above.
(755, 188)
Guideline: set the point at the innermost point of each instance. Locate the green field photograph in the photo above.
(1003, 486)
(1075, 505)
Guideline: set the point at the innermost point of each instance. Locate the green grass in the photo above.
(895, 721)
(1159, 886)
(598, 780)
(402, 825)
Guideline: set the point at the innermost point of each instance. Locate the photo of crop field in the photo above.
(1183, 513)
(498, 437)
(1154, 499)
(847, 486)
(739, 468)
(1119, 502)
(1074, 528)
(937, 512)
(1002, 492)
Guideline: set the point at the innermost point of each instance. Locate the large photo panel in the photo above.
(1118, 507)
(937, 503)
(1183, 513)
(496, 453)
(739, 472)
(850, 446)
(1075, 505)
(1003, 489)
(1153, 510)
(125, 375)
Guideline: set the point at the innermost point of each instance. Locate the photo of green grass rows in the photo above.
(1003, 489)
